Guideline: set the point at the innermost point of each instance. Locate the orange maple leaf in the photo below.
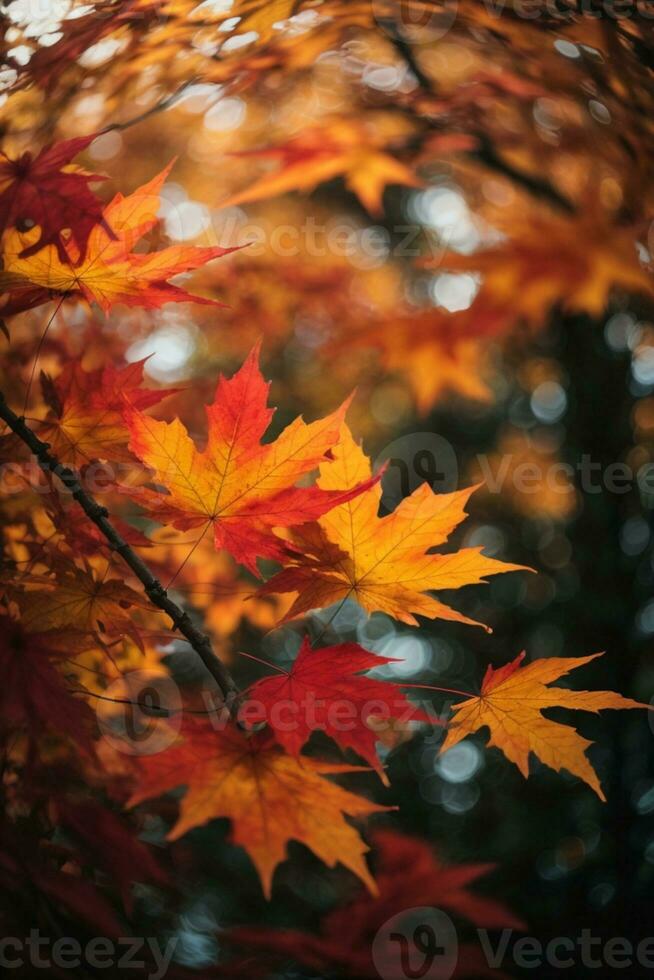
(576, 262)
(269, 796)
(88, 409)
(237, 485)
(109, 272)
(319, 154)
(384, 563)
(510, 705)
(437, 352)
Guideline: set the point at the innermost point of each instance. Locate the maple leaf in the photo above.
(110, 272)
(575, 262)
(237, 485)
(323, 692)
(83, 537)
(318, 154)
(384, 563)
(89, 408)
(436, 352)
(436, 368)
(80, 599)
(29, 874)
(408, 875)
(45, 190)
(269, 796)
(511, 703)
(33, 694)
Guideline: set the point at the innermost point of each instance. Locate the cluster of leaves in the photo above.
(459, 95)
(254, 524)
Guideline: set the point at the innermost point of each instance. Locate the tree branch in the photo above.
(165, 103)
(153, 588)
(537, 186)
(485, 152)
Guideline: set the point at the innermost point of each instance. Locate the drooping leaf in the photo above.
(384, 563)
(106, 839)
(433, 350)
(511, 703)
(33, 694)
(543, 264)
(81, 599)
(270, 797)
(34, 876)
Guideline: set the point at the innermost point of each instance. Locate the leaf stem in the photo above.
(443, 690)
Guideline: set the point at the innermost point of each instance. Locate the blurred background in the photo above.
(453, 216)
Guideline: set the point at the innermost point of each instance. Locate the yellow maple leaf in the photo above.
(384, 563)
(511, 703)
(431, 349)
(82, 600)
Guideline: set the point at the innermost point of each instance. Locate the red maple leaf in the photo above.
(106, 839)
(45, 190)
(408, 876)
(324, 692)
(33, 695)
(239, 486)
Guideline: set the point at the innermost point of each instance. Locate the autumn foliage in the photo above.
(183, 546)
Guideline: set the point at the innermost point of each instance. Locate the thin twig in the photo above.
(165, 103)
(153, 588)
(153, 710)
